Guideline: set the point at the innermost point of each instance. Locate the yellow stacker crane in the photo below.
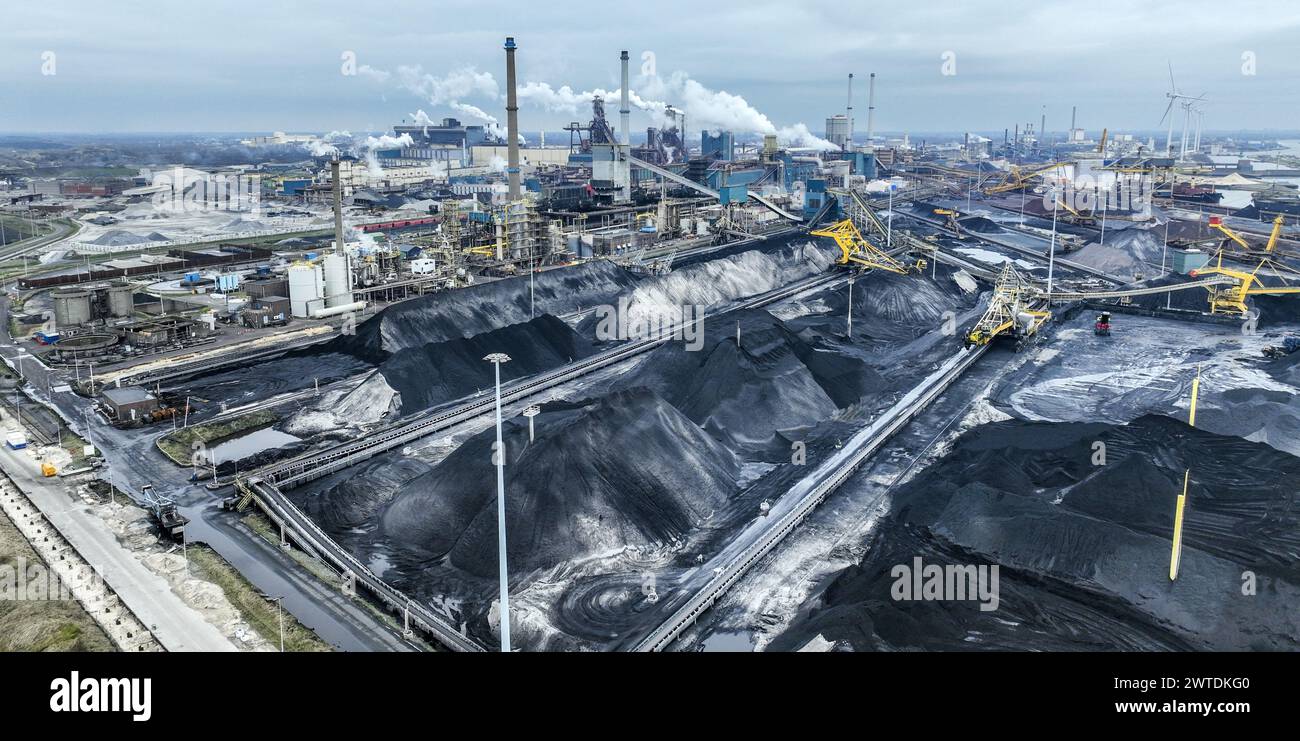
(1232, 299)
(1011, 311)
(1216, 222)
(1019, 179)
(951, 219)
(857, 252)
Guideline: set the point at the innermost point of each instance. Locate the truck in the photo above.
(16, 440)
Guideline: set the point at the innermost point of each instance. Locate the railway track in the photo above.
(315, 541)
(806, 495)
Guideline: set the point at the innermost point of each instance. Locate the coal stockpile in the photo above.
(481, 308)
(1131, 254)
(889, 308)
(441, 371)
(774, 381)
(1082, 550)
(354, 501)
(623, 470)
(979, 225)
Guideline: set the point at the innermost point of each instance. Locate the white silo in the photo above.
(338, 281)
(305, 288)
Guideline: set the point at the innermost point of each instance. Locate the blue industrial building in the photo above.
(721, 146)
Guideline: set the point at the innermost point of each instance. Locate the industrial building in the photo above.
(83, 305)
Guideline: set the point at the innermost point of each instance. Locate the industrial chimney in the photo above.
(338, 206)
(624, 132)
(871, 107)
(512, 121)
(848, 141)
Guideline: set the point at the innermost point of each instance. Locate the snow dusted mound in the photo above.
(1083, 549)
(626, 469)
(1128, 254)
(481, 308)
(712, 285)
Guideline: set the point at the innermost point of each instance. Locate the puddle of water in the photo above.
(726, 641)
(251, 444)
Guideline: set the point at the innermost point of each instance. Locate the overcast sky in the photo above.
(235, 65)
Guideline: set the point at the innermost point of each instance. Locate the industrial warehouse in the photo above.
(606, 356)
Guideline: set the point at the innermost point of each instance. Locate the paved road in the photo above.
(176, 625)
(135, 461)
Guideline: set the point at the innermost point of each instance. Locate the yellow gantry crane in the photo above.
(856, 251)
(1232, 299)
(1216, 222)
(1010, 311)
(1018, 179)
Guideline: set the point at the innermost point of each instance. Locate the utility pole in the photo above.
(1051, 254)
(497, 358)
(850, 334)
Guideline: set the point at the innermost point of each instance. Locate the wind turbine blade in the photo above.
(1172, 86)
(1168, 108)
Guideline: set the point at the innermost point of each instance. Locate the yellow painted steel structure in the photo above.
(856, 251)
(1018, 179)
(1232, 299)
(1011, 303)
(1176, 554)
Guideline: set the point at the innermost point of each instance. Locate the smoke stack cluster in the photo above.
(512, 121)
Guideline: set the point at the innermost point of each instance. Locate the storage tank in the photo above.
(338, 281)
(305, 288)
(121, 301)
(71, 307)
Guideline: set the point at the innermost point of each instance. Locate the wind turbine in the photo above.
(1174, 96)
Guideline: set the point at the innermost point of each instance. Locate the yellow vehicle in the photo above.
(48, 470)
(951, 219)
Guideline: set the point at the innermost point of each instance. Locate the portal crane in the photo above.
(1232, 299)
(856, 251)
(1216, 222)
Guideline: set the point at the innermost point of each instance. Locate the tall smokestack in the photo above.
(512, 121)
(624, 132)
(848, 143)
(1042, 128)
(871, 107)
(338, 206)
(1074, 110)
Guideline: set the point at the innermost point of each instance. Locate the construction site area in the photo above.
(461, 390)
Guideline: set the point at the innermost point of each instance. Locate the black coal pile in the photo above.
(774, 381)
(1082, 550)
(623, 470)
(354, 500)
(979, 225)
(481, 308)
(437, 372)
(890, 308)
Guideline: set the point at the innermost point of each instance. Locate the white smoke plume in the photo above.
(327, 146)
(385, 141)
(704, 107)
